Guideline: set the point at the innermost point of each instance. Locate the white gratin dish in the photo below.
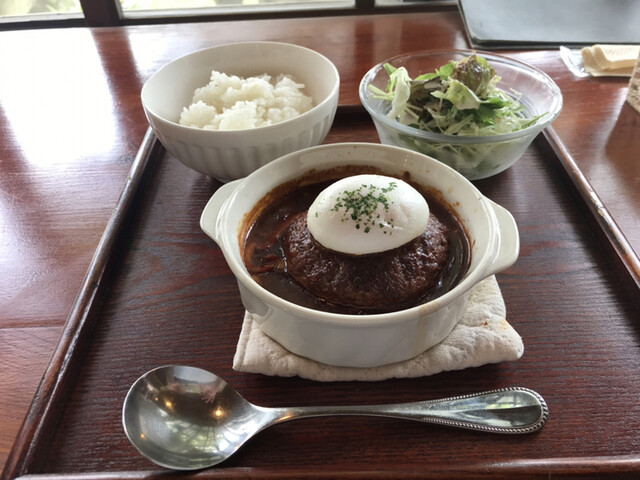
(362, 340)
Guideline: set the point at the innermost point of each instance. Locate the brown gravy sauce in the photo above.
(263, 252)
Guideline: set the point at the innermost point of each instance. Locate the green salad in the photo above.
(459, 98)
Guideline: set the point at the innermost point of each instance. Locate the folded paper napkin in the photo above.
(610, 60)
(482, 336)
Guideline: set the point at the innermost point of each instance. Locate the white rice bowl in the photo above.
(229, 102)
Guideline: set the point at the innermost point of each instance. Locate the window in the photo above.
(129, 6)
(158, 8)
(39, 9)
(43, 13)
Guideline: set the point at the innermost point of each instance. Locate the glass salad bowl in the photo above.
(475, 120)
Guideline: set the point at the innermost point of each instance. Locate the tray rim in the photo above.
(39, 425)
(628, 259)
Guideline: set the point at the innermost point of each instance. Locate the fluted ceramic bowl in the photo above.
(231, 154)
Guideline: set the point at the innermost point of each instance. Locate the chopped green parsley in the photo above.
(361, 205)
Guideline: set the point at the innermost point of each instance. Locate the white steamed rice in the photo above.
(229, 102)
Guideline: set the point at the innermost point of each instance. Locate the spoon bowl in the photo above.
(186, 418)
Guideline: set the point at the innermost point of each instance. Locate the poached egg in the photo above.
(366, 214)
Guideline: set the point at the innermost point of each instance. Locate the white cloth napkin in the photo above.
(482, 336)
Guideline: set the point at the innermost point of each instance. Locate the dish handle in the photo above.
(209, 217)
(509, 240)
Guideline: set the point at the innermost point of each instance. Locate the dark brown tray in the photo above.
(160, 292)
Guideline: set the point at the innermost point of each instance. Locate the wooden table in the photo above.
(71, 125)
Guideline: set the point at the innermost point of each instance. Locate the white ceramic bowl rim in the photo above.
(543, 122)
(336, 86)
(355, 321)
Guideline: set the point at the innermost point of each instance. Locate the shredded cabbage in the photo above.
(459, 98)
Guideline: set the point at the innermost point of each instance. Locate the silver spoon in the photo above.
(186, 418)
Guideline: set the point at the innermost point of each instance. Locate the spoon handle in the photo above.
(507, 410)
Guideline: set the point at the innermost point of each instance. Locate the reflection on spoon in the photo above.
(186, 418)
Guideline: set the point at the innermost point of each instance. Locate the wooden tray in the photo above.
(159, 291)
